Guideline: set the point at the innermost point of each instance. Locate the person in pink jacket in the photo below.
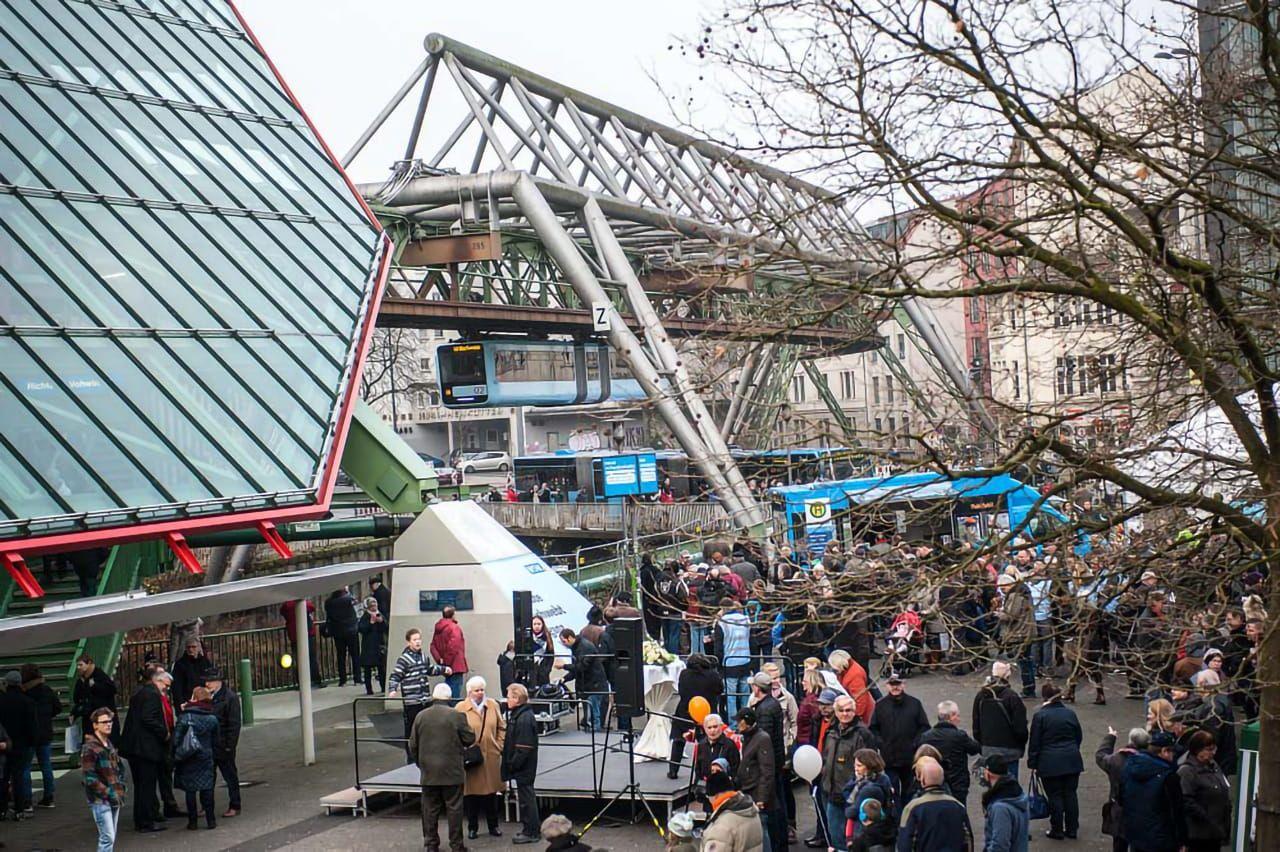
(449, 647)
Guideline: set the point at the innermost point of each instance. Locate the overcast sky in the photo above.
(344, 59)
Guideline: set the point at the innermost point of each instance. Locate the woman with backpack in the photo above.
(195, 738)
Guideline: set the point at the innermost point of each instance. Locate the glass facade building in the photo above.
(187, 279)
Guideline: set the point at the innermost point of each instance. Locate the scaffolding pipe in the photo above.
(922, 319)
(763, 366)
(660, 344)
(567, 255)
(739, 393)
(381, 117)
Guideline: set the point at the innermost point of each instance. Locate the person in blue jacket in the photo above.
(934, 821)
(1151, 796)
(1008, 813)
(1053, 752)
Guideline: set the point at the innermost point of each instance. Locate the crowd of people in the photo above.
(181, 732)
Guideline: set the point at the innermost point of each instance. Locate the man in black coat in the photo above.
(145, 743)
(189, 672)
(438, 743)
(955, 745)
(342, 625)
(18, 716)
(1000, 718)
(93, 689)
(520, 761)
(226, 708)
(898, 720)
(379, 590)
(772, 721)
(587, 672)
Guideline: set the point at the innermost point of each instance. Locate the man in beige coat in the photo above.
(438, 741)
(484, 780)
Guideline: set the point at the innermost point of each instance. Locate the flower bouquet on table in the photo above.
(656, 655)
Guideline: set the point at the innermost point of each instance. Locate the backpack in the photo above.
(671, 593)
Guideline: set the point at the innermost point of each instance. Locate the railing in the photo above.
(641, 519)
(263, 648)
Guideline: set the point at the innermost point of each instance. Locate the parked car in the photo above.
(491, 460)
(445, 475)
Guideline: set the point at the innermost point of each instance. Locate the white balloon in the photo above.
(807, 762)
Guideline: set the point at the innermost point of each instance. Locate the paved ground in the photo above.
(282, 811)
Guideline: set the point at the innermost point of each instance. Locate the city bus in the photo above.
(916, 507)
(589, 476)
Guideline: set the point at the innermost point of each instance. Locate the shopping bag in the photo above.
(188, 746)
(1038, 802)
(72, 739)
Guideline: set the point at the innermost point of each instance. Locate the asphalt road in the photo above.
(281, 803)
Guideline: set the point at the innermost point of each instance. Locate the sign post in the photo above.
(819, 526)
(600, 316)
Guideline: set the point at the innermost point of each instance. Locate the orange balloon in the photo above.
(698, 708)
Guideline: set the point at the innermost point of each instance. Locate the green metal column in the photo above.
(383, 465)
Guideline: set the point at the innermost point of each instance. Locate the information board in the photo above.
(629, 474)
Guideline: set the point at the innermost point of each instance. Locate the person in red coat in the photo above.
(287, 610)
(853, 677)
(449, 647)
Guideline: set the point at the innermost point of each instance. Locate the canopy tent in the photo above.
(1200, 454)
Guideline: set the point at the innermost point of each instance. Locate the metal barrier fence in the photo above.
(263, 648)
(637, 519)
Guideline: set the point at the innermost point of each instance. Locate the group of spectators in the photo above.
(181, 730)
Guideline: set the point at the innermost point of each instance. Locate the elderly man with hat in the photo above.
(226, 708)
(898, 720)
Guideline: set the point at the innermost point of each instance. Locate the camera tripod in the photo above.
(632, 790)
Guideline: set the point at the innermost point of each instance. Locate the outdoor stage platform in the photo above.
(569, 768)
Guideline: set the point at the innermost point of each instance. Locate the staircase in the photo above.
(124, 570)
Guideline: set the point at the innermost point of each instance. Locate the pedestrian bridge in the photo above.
(610, 520)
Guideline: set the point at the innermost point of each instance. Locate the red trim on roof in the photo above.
(176, 528)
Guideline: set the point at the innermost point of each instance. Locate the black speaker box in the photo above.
(628, 640)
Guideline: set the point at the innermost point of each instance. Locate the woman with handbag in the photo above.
(1053, 753)
(195, 739)
(483, 760)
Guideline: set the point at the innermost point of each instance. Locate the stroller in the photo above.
(903, 644)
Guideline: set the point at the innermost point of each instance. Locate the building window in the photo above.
(902, 345)
(1066, 375)
(879, 426)
(1107, 373)
(1017, 382)
(888, 388)
(979, 348)
(975, 309)
(424, 364)
(875, 391)
(893, 424)
(797, 389)
(848, 384)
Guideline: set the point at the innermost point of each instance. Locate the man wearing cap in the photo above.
(772, 719)
(757, 774)
(1007, 810)
(226, 708)
(1151, 796)
(898, 720)
(680, 833)
(736, 821)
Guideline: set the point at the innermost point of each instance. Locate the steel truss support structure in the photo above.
(631, 213)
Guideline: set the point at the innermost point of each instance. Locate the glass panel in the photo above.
(69, 428)
(314, 379)
(142, 441)
(176, 423)
(165, 361)
(308, 423)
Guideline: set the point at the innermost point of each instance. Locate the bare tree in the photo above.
(1114, 168)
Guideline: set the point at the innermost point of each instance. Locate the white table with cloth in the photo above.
(660, 684)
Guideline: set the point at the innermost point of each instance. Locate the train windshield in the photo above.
(464, 365)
